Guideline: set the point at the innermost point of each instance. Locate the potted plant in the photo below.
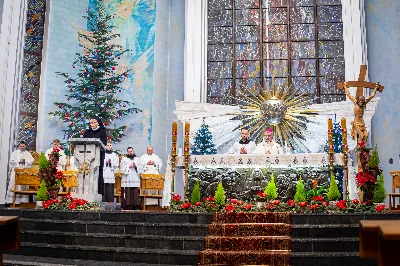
(300, 195)
(366, 184)
(380, 191)
(270, 190)
(333, 192)
(49, 173)
(373, 164)
(41, 194)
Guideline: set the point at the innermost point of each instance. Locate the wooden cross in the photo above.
(361, 83)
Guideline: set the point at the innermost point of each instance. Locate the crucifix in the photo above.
(358, 129)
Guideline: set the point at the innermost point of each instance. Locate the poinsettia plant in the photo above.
(48, 170)
(68, 203)
(365, 181)
(261, 196)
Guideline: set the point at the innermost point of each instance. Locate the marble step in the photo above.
(114, 240)
(342, 244)
(329, 258)
(346, 218)
(113, 254)
(325, 230)
(135, 228)
(19, 260)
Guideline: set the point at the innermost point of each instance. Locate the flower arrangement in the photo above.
(261, 196)
(69, 203)
(49, 173)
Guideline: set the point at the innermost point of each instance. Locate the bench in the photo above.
(29, 179)
(394, 195)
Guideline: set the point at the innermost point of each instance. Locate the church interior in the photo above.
(199, 132)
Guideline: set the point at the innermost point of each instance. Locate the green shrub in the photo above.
(219, 196)
(374, 159)
(195, 197)
(43, 162)
(300, 193)
(333, 192)
(41, 194)
(270, 190)
(380, 191)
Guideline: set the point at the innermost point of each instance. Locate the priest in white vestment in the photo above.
(62, 160)
(150, 164)
(268, 145)
(111, 161)
(130, 181)
(20, 158)
(244, 146)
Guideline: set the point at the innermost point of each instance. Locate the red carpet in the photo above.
(248, 239)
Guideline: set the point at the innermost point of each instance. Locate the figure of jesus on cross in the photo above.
(359, 131)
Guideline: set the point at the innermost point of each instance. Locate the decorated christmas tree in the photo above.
(96, 89)
(203, 143)
(337, 137)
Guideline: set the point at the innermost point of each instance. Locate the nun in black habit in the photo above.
(97, 130)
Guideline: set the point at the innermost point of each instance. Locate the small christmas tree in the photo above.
(333, 193)
(41, 194)
(97, 88)
(195, 197)
(374, 161)
(270, 190)
(300, 193)
(219, 197)
(337, 138)
(203, 143)
(380, 191)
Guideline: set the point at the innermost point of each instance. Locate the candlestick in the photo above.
(187, 155)
(345, 150)
(343, 123)
(330, 124)
(174, 137)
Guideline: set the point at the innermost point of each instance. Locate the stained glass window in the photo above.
(31, 73)
(294, 41)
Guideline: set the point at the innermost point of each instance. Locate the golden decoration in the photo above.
(84, 169)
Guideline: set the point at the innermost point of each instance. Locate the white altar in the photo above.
(233, 161)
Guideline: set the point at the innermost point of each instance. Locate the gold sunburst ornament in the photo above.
(285, 111)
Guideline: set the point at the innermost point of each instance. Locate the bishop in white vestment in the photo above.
(130, 181)
(150, 164)
(62, 160)
(244, 146)
(111, 161)
(20, 158)
(268, 145)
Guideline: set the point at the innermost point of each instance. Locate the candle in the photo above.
(187, 126)
(174, 127)
(343, 123)
(180, 151)
(186, 143)
(174, 136)
(330, 125)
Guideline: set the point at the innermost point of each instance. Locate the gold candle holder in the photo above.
(345, 151)
(187, 156)
(173, 155)
(330, 146)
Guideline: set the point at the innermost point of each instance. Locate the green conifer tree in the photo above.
(41, 194)
(300, 193)
(374, 160)
(333, 192)
(270, 190)
(380, 191)
(195, 197)
(219, 197)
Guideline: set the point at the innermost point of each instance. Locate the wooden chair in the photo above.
(25, 177)
(392, 196)
(117, 185)
(151, 182)
(71, 182)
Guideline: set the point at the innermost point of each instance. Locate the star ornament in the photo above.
(280, 108)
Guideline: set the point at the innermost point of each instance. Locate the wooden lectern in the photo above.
(87, 161)
(10, 234)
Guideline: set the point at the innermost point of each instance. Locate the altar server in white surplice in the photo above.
(20, 158)
(244, 146)
(150, 164)
(62, 160)
(268, 145)
(110, 165)
(130, 182)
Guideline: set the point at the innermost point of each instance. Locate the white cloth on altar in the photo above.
(109, 169)
(235, 149)
(16, 157)
(62, 161)
(268, 148)
(130, 177)
(150, 169)
(72, 165)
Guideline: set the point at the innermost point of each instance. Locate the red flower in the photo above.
(82, 202)
(185, 206)
(247, 206)
(276, 202)
(355, 201)
(291, 203)
(239, 202)
(198, 203)
(363, 177)
(313, 207)
(68, 196)
(380, 207)
(177, 198)
(229, 207)
(55, 201)
(45, 205)
(325, 203)
(72, 206)
(341, 204)
(303, 204)
(318, 198)
(361, 144)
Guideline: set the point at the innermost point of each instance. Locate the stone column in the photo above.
(12, 37)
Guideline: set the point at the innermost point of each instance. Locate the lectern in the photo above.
(87, 161)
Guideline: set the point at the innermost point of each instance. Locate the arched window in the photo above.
(251, 41)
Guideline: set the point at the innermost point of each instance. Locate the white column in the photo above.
(196, 51)
(12, 50)
(355, 39)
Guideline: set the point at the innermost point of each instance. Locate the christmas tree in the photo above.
(337, 138)
(94, 91)
(203, 143)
